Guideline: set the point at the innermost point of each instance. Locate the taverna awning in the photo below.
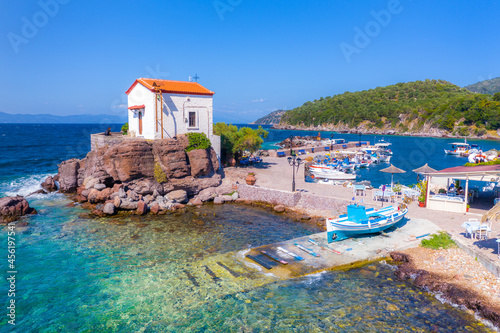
(459, 204)
(485, 173)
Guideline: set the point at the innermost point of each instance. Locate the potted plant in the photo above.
(467, 208)
(423, 190)
(250, 178)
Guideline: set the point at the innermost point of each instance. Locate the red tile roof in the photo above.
(137, 107)
(173, 87)
(465, 169)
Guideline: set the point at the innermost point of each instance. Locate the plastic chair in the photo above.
(484, 230)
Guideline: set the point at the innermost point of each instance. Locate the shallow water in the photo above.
(151, 274)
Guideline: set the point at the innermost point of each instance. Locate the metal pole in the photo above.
(293, 176)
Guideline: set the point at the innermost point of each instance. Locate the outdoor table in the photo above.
(359, 188)
(411, 193)
(471, 227)
(381, 195)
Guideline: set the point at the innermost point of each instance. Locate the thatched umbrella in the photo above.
(392, 170)
(493, 214)
(424, 169)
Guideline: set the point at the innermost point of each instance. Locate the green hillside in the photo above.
(271, 119)
(486, 87)
(403, 107)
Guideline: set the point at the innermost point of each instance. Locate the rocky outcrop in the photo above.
(137, 174)
(12, 208)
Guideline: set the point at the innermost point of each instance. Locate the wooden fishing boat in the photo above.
(360, 220)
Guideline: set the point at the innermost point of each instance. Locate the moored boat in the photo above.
(332, 174)
(458, 149)
(360, 220)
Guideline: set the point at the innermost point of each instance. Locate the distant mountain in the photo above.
(485, 87)
(51, 119)
(271, 119)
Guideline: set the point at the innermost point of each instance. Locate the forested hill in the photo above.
(486, 87)
(271, 119)
(430, 107)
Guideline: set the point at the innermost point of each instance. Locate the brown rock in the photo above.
(104, 195)
(155, 209)
(117, 202)
(68, 175)
(145, 186)
(131, 159)
(11, 208)
(117, 187)
(80, 198)
(396, 256)
(92, 197)
(172, 157)
(279, 208)
(40, 191)
(196, 201)
(200, 162)
(49, 184)
(142, 208)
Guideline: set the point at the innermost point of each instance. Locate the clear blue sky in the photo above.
(258, 56)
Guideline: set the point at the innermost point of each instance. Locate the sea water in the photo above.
(180, 272)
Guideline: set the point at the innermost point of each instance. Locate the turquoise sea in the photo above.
(152, 274)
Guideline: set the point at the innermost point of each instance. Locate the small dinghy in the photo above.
(361, 221)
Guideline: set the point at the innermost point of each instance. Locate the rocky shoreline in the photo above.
(454, 276)
(364, 129)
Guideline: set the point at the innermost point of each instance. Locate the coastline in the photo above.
(427, 133)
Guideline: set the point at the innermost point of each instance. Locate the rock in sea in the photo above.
(11, 208)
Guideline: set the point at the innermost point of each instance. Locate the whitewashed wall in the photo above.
(138, 96)
(176, 108)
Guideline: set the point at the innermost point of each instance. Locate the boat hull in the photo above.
(341, 229)
(333, 175)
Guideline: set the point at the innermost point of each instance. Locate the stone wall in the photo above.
(100, 140)
(275, 197)
(297, 200)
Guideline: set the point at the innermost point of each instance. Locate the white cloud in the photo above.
(258, 100)
(121, 106)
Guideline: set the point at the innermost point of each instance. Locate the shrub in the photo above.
(197, 141)
(160, 176)
(440, 240)
(125, 129)
(494, 162)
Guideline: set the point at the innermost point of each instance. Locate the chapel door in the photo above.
(140, 123)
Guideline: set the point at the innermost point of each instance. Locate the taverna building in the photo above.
(161, 109)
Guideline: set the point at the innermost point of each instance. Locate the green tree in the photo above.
(235, 141)
(496, 97)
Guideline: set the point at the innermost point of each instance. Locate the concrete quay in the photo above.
(350, 252)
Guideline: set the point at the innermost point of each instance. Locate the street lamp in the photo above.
(359, 138)
(294, 161)
(331, 142)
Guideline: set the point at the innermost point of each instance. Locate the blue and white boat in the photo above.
(360, 220)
